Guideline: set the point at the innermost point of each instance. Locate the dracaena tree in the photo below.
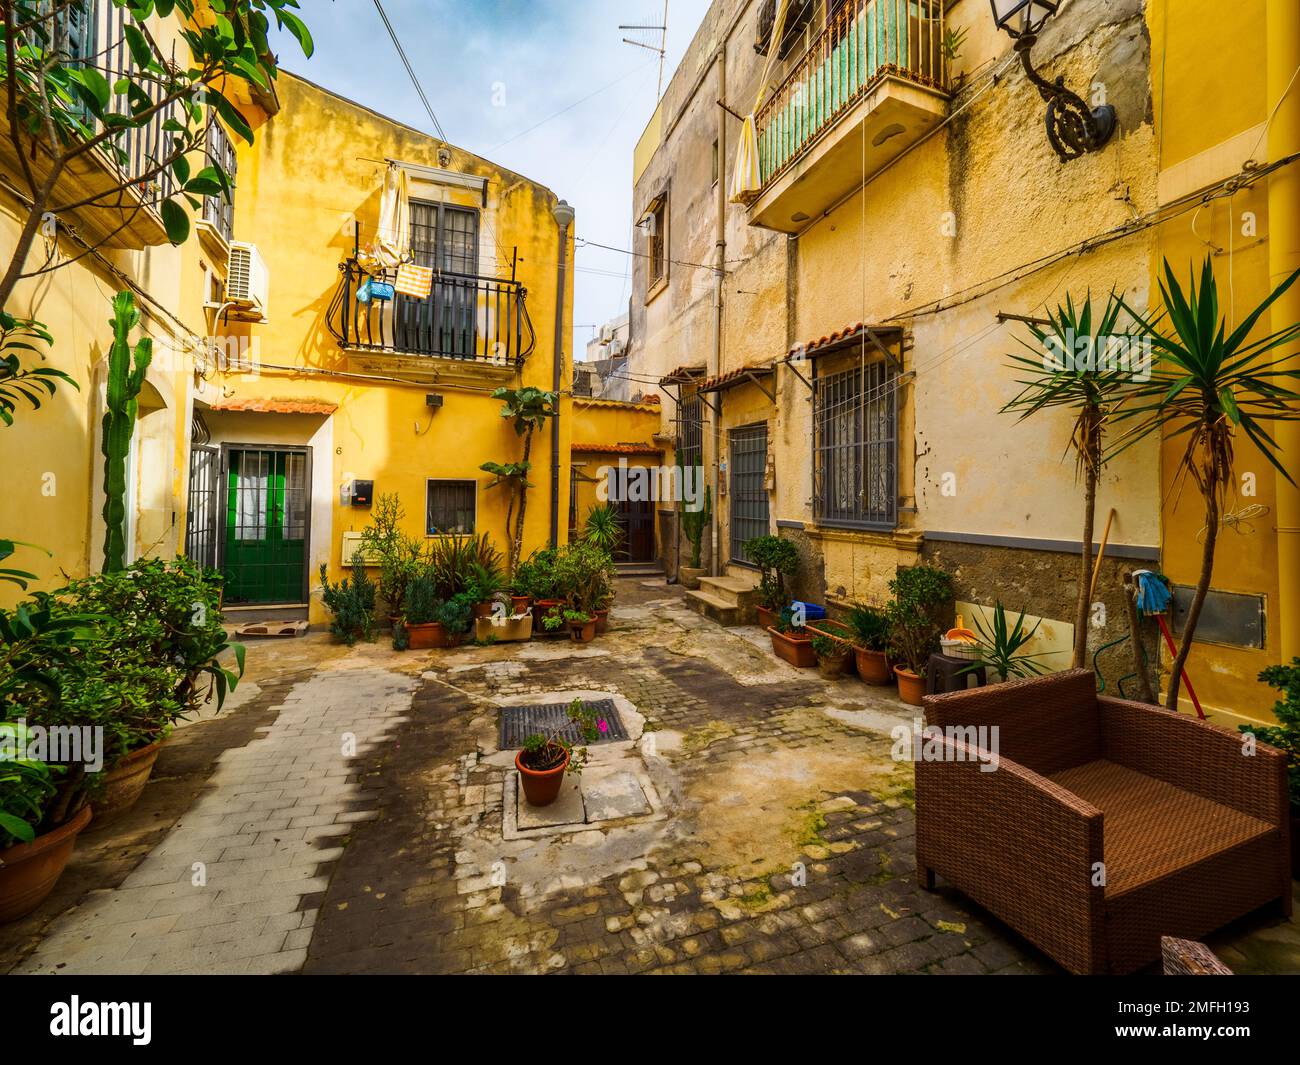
(70, 96)
(527, 409)
(1074, 366)
(1210, 386)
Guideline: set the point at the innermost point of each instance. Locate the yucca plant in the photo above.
(1208, 384)
(1055, 377)
(602, 528)
(1000, 643)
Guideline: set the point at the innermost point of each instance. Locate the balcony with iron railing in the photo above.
(469, 327)
(871, 84)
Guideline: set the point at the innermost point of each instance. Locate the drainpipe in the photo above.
(1282, 27)
(563, 215)
(719, 278)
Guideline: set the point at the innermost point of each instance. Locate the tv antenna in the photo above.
(661, 48)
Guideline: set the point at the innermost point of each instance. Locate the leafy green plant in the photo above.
(454, 562)
(535, 576)
(543, 752)
(64, 106)
(399, 555)
(952, 42)
(454, 615)
(553, 619)
(19, 383)
(420, 605)
(351, 602)
(1091, 388)
(527, 409)
(1209, 383)
(999, 647)
(484, 584)
(27, 789)
(602, 529)
(577, 617)
(1285, 735)
(776, 559)
(126, 370)
(584, 575)
(825, 647)
(870, 627)
(920, 594)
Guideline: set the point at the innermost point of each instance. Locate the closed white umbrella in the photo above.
(747, 179)
(392, 244)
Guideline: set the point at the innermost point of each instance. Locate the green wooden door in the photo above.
(268, 500)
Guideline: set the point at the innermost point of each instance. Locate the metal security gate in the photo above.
(267, 524)
(749, 502)
(201, 516)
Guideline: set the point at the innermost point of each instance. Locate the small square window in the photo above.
(453, 508)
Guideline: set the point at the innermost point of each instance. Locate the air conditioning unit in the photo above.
(247, 279)
(615, 347)
(606, 334)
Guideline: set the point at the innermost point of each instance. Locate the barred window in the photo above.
(855, 448)
(220, 153)
(452, 508)
(690, 432)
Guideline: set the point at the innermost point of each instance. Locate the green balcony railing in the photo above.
(864, 42)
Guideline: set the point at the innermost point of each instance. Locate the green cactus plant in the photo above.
(694, 522)
(126, 370)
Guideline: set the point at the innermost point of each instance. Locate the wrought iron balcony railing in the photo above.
(864, 42)
(465, 316)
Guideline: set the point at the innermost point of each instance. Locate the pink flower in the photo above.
(603, 726)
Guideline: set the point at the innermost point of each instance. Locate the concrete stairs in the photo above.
(731, 599)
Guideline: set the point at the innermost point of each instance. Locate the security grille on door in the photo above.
(855, 449)
(201, 516)
(749, 499)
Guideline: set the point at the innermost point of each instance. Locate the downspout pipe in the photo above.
(1282, 28)
(719, 280)
(564, 215)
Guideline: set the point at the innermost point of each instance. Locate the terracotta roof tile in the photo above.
(619, 449)
(275, 406)
(731, 377)
(849, 332)
(681, 375)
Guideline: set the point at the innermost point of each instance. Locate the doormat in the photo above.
(273, 628)
(520, 722)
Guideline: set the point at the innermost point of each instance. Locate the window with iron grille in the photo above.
(690, 432)
(221, 154)
(453, 507)
(657, 240)
(855, 448)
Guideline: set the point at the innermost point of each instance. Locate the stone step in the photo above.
(742, 573)
(717, 609)
(734, 591)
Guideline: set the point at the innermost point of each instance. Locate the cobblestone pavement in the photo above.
(754, 822)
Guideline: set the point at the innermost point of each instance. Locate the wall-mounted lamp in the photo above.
(1073, 128)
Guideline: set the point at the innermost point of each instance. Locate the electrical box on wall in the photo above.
(363, 493)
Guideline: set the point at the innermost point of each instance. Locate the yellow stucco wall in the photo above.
(314, 170)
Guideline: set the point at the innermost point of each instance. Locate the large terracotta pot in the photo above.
(29, 871)
(484, 609)
(911, 688)
(541, 788)
(873, 667)
(795, 648)
(521, 603)
(425, 637)
(767, 618)
(834, 666)
(584, 633)
(602, 622)
(123, 784)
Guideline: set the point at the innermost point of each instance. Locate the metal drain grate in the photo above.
(520, 722)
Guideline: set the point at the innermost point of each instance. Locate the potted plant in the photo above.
(483, 588)
(582, 627)
(553, 620)
(453, 618)
(776, 560)
(500, 628)
(542, 586)
(419, 618)
(584, 576)
(920, 594)
(1285, 736)
(792, 643)
(693, 524)
(870, 629)
(602, 529)
(351, 604)
(399, 556)
(998, 648)
(545, 759)
(832, 656)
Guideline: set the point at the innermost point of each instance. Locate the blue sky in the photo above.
(498, 74)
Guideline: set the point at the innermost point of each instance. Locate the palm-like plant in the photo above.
(1000, 645)
(1208, 384)
(602, 528)
(528, 409)
(1091, 388)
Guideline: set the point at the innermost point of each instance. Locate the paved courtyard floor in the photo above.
(351, 812)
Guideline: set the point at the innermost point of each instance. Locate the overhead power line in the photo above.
(401, 52)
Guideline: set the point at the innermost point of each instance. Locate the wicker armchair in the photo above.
(1190, 833)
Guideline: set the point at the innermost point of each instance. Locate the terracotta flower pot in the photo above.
(521, 603)
(425, 637)
(911, 688)
(873, 667)
(484, 609)
(541, 788)
(29, 871)
(833, 666)
(543, 605)
(602, 622)
(583, 633)
(767, 618)
(123, 783)
(793, 647)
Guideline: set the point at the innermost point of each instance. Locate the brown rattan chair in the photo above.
(1189, 832)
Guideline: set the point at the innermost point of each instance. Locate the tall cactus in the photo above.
(694, 522)
(124, 383)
